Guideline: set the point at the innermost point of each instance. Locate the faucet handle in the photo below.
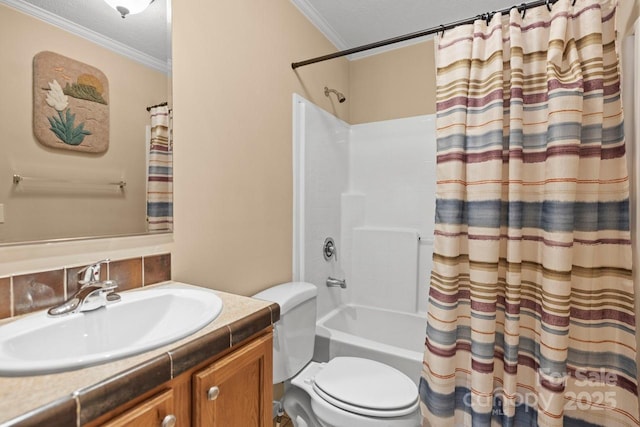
(91, 273)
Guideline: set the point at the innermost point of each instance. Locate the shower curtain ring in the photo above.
(442, 32)
(574, 3)
(524, 9)
(548, 3)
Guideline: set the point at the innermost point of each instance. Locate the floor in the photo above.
(285, 422)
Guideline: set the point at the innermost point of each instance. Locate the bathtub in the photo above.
(391, 337)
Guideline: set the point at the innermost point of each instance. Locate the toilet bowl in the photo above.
(344, 392)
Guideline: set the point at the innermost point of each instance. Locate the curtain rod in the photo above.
(162, 104)
(440, 28)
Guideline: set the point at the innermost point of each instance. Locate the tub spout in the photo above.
(333, 283)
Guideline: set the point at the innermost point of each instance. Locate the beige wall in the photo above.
(52, 211)
(233, 87)
(394, 84)
(628, 12)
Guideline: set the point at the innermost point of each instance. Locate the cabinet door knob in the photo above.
(169, 421)
(213, 393)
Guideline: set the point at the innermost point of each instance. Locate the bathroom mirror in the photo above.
(73, 194)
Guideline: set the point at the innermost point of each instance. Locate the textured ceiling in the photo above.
(146, 32)
(352, 23)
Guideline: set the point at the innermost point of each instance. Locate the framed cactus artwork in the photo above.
(70, 104)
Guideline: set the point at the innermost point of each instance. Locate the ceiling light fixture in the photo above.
(129, 7)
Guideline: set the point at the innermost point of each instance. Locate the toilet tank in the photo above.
(294, 333)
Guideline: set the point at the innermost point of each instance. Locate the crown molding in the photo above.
(320, 23)
(383, 49)
(85, 33)
(327, 30)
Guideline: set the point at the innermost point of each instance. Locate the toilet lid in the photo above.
(366, 387)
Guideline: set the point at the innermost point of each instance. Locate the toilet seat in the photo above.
(329, 414)
(366, 387)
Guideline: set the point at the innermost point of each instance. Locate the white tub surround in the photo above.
(371, 187)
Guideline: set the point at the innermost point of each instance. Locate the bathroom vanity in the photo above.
(219, 376)
(233, 390)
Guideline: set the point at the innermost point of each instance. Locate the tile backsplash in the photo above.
(5, 297)
(36, 291)
(25, 293)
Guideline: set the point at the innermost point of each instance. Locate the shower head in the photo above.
(340, 96)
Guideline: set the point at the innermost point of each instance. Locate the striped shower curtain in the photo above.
(160, 173)
(531, 305)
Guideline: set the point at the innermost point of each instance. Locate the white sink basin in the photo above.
(140, 321)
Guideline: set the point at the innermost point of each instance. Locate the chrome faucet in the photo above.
(92, 294)
(334, 283)
(91, 273)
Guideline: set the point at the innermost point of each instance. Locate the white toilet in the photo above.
(344, 392)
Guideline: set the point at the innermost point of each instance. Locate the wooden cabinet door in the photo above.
(237, 390)
(154, 412)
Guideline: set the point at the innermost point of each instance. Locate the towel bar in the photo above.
(17, 179)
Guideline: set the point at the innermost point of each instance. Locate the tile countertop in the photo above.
(58, 399)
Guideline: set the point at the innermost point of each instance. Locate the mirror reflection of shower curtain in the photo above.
(160, 171)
